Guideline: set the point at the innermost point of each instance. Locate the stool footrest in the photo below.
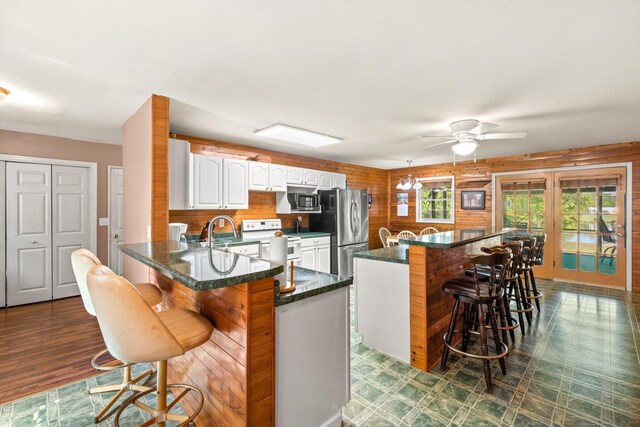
(504, 349)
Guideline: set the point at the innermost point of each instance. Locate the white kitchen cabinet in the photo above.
(277, 178)
(205, 182)
(218, 183)
(235, 184)
(267, 177)
(325, 180)
(178, 174)
(310, 177)
(258, 176)
(295, 175)
(339, 181)
(315, 254)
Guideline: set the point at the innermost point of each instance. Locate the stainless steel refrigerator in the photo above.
(345, 215)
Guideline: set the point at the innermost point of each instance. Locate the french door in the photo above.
(582, 213)
(590, 226)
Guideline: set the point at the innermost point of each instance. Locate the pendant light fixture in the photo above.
(408, 183)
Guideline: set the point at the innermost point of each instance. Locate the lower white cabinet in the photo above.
(315, 254)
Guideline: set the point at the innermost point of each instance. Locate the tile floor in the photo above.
(72, 406)
(578, 366)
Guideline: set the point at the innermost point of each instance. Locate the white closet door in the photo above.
(28, 210)
(116, 218)
(71, 224)
(3, 241)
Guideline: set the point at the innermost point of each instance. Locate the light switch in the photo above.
(103, 222)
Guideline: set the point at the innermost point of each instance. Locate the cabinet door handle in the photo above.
(34, 242)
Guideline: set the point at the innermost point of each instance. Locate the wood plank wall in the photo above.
(263, 205)
(467, 173)
(160, 168)
(235, 368)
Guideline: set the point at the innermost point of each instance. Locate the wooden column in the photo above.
(160, 168)
(429, 306)
(235, 369)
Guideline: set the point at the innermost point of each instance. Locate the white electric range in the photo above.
(262, 230)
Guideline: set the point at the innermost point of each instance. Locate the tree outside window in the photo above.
(436, 200)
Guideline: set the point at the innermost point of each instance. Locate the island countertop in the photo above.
(310, 283)
(197, 267)
(398, 254)
(455, 238)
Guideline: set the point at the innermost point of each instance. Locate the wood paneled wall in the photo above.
(235, 368)
(263, 205)
(477, 175)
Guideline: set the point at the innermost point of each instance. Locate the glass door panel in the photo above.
(590, 209)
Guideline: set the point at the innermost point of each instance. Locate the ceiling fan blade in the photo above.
(483, 127)
(433, 136)
(440, 143)
(506, 135)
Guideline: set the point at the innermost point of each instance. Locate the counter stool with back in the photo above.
(134, 333)
(83, 260)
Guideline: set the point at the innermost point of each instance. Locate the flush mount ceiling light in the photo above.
(3, 94)
(297, 135)
(408, 183)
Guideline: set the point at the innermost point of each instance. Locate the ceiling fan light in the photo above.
(399, 186)
(417, 185)
(406, 186)
(464, 148)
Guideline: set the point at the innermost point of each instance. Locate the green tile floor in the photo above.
(72, 406)
(577, 366)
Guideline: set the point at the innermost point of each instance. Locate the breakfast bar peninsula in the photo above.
(264, 344)
(401, 309)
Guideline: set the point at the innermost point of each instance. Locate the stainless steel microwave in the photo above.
(304, 202)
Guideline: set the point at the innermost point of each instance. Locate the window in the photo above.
(436, 200)
(523, 205)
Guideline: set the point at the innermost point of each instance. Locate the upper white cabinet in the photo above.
(339, 181)
(325, 180)
(302, 176)
(295, 175)
(178, 174)
(218, 183)
(267, 177)
(310, 177)
(205, 182)
(235, 184)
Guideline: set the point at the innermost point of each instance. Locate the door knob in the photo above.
(116, 236)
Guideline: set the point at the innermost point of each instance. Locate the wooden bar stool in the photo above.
(528, 248)
(479, 297)
(134, 333)
(83, 260)
(535, 258)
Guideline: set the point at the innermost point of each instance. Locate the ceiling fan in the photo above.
(467, 133)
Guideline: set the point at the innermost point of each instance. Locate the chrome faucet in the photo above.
(212, 224)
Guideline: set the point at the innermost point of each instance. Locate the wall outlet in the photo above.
(221, 223)
(300, 218)
(103, 222)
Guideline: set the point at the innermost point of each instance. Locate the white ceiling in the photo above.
(373, 73)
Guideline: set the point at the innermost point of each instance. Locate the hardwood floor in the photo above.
(46, 345)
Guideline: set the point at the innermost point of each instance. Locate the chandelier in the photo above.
(408, 183)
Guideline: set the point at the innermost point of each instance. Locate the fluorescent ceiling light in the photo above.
(297, 136)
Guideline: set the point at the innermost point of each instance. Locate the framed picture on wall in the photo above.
(472, 200)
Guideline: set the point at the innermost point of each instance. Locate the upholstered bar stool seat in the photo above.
(135, 333)
(83, 260)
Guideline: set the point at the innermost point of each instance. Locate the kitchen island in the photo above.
(265, 344)
(399, 296)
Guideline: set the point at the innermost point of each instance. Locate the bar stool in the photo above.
(83, 260)
(528, 249)
(479, 297)
(507, 322)
(134, 333)
(535, 258)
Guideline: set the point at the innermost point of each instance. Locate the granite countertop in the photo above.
(455, 238)
(310, 283)
(308, 234)
(227, 239)
(197, 267)
(398, 254)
